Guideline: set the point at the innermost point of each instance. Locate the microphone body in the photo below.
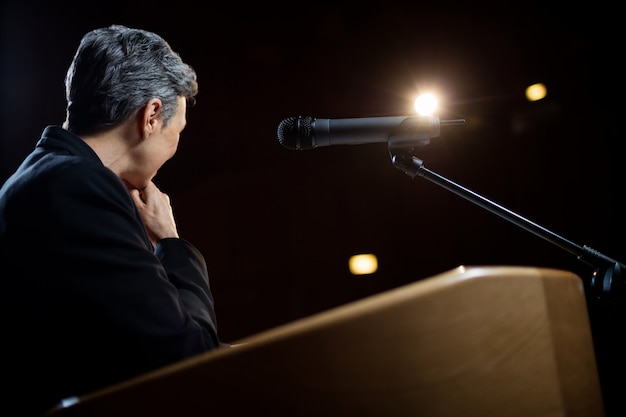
(305, 132)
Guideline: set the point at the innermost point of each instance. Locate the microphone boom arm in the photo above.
(607, 278)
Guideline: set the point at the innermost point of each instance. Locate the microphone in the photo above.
(306, 132)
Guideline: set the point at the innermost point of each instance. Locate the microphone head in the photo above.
(296, 132)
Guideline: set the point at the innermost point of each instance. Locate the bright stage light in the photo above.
(363, 264)
(536, 92)
(425, 104)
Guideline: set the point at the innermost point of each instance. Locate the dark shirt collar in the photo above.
(57, 137)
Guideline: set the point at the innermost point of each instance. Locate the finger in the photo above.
(137, 197)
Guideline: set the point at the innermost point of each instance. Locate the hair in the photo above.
(116, 70)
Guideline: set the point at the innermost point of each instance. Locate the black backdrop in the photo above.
(276, 225)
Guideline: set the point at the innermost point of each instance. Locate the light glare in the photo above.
(536, 92)
(363, 264)
(425, 104)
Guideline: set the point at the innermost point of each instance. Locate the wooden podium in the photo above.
(473, 341)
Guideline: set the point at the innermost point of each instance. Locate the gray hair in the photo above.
(116, 70)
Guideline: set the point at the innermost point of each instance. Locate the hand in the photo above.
(156, 212)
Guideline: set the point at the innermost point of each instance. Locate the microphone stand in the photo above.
(604, 290)
(606, 281)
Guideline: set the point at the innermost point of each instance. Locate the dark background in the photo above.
(277, 226)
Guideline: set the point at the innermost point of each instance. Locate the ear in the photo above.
(150, 117)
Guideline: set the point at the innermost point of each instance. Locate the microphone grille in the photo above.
(296, 132)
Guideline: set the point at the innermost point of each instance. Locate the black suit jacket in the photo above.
(87, 300)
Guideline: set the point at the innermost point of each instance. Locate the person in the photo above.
(97, 284)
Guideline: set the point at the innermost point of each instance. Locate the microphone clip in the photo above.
(412, 133)
(416, 132)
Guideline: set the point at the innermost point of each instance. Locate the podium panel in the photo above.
(473, 341)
